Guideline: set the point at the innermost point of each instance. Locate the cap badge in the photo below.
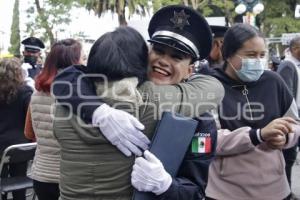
(180, 19)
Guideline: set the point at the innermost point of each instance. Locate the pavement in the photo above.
(296, 177)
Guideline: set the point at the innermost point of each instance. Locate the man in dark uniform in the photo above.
(215, 58)
(179, 36)
(31, 53)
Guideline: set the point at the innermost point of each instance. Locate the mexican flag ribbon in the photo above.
(201, 143)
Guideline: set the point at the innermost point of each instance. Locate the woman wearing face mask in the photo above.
(256, 117)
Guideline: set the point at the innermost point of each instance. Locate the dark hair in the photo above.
(11, 79)
(119, 54)
(294, 42)
(236, 36)
(63, 53)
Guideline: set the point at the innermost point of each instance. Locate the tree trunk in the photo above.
(186, 2)
(45, 23)
(228, 16)
(122, 20)
(194, 4)
(120, 4)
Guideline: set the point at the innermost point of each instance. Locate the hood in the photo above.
(124, 90)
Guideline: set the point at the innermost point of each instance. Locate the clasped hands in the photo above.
(275, 133)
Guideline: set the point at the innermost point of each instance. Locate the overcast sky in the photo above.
(82, 21)
(6, 7)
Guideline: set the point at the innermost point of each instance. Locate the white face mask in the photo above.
(252, 69)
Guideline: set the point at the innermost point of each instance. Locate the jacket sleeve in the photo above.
(28, 130)
(26, 96)
(293, 138)
(201, 93)
(288, 73)
(292, 111)
(182, 188)
(73, 88)
(192, 177)
(235, 142)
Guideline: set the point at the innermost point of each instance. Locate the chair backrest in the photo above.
(18, 153)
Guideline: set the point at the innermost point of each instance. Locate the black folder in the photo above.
(169, 144)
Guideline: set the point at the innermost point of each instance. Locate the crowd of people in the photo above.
(93, 122)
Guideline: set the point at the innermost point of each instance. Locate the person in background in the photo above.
(215, 58)
(274, 63)
(31, 55)
(14, 100)
(249, 163)
(289, 70)
(39, 121)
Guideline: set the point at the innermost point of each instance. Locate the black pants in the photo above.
(14, 170)
(46, 191)
(290, 156)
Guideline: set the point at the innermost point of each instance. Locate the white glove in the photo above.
(121, 129)
(27, 79)
(149, 175)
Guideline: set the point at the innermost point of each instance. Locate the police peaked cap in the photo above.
(33, 44)
(181, 28)
(218, 31)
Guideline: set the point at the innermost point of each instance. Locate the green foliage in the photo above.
(157, 4)
(205, 7)
(117, 6)
(278, 17)
(217, 8)
(47, 19)
(15, 31)
(138, 6)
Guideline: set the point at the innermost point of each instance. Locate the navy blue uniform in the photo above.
(192, 176)
(35, 70)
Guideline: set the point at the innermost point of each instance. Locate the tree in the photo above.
(116, 6)
(49, 16)
(157, 4)
(15, 31)
(205, 7)
(211, 8)
(278, 17)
